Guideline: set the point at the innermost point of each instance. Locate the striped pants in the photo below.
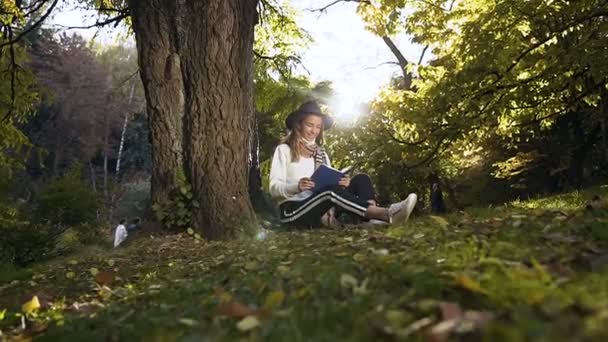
(352, 200)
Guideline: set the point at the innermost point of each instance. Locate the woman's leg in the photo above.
(362, 187)
(309, 211)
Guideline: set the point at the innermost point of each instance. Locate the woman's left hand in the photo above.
(344, 181)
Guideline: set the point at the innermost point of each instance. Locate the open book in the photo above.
(326, 176)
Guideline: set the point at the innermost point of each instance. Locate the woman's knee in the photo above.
(361, 178)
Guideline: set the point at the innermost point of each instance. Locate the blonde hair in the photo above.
(294, 141)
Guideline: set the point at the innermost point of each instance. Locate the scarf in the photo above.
(316, 151)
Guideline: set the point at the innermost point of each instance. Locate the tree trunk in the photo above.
(217, 54)
(122, 135)
(106, 148)
(92, 171)
(195, 59)
(255, 177)
(160, 72)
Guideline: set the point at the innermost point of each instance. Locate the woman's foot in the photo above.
(399, 212)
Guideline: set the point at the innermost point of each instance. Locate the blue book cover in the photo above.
(325, 176)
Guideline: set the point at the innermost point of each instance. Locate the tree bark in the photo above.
(160, 72)
(195, 60)
(216, 44)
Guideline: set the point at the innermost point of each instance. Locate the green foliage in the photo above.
(17, 97)
(21, 242)
(507, 91)
(67, 201)
(176, 214)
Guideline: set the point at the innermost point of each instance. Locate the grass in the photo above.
(529, 270)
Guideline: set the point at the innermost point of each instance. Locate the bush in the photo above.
(21, 242)
(67, 201)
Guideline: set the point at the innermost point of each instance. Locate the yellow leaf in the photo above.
(248, 323)
(443, 223)
(111, 262)
(70, 275)
(468, 283)
(274, 299)
(94, 271)
(31, 305)
(190, 231)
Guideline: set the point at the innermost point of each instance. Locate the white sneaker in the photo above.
(375, 222)
(399, 212)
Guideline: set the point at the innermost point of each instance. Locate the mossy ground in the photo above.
(530, 270)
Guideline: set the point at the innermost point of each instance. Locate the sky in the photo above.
(342, 51)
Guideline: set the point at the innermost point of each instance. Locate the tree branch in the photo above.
(116, 20)
(31, 28)
(324, 8)
(407, 83)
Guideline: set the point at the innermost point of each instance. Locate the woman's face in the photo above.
(311, 127)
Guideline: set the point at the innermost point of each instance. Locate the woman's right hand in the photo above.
(305, 184)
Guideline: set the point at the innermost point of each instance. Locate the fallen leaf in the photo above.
(94, 271)
(31, 305)
(561, 238)
(190, 231)
(380, 252)
(104, 278)
(396, 318)
(251, 266)
(235, 309)
(468, 283)
(415, 326)
(348, 281)
(188, 321)
(111, 262)
(443, 223)
(282, 270)
(274, 299)
(359, 257)
(70, 275)
(450, 310)
(248, 323)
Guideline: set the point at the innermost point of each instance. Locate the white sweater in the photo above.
(285, 174)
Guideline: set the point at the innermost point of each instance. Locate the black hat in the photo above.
(310, 107)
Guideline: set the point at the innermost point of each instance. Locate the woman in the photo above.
(296, 159)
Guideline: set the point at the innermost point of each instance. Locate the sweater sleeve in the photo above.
(279, 188)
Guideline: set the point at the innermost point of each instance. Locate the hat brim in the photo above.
(293, 118)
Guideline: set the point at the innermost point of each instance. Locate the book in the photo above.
(325, 176)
